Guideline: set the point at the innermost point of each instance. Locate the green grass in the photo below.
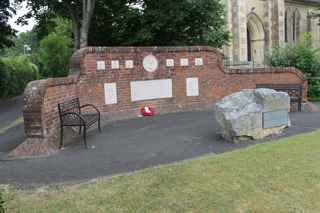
(280, 177)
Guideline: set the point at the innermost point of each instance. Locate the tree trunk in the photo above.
(84, 30)
(87, 12)
(76, 34)
(76, 24)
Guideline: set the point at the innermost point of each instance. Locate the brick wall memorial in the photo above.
(119, 81)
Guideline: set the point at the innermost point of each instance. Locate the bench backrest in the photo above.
(293, 90)
(72, 105)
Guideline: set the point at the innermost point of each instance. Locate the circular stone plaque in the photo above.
(150, 63)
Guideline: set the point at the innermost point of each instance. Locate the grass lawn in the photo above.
(277, 177)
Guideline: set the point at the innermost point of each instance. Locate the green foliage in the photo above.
(55, 53)
(25, 38)
(56, 49)
(15, 74)
(63, 26)
(45, 25)
(308, 59)
(304, 57)
(57, 24)
(282, 57)
(4, 79)
(2, 209)
(137, 22)
(6, 32)
(166, 22)
(314, 90)
(115, 23)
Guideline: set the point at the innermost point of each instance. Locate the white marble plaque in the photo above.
(192, 86)
(198, 61)
(129, 64)
(170, 62)
(153, 89)
(110, 92)
(115, 64)
(101, 65)
(184, 62)
(150, 63)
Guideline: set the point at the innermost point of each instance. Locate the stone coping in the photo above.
(36, 90)
(156, 49)
(266, 70)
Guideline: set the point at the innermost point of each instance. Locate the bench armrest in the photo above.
(92, 106)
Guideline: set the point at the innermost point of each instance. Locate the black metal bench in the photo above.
(295, 91)
(72, 114)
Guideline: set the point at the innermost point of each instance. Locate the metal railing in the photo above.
(242, 65)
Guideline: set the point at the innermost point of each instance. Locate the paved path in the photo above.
(11, 125)
(135, 144)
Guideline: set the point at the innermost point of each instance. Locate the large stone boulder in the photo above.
(253, 114)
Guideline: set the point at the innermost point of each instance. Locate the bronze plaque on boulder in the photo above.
(275, 119)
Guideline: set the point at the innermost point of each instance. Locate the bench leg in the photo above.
(99, 126)
(85, 137)
(80, 128)
(61, 137)
(299, 106)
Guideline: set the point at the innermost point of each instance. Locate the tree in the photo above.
(6, 32)
(139, 22)
(184, 22)
(15, 73)
(21, 41)
(55, 53)
(56, 49)
(115, 23)
(80, 12)
(165, 22)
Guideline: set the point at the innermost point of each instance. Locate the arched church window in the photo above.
(292, 25)
(286, 26)
(295, 25)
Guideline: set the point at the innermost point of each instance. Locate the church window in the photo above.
(286, 26)
(296, 25)
(291, 25)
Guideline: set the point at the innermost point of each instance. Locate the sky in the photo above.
(31, 22)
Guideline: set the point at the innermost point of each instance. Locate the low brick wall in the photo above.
(113, 79)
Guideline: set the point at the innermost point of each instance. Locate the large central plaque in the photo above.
(152, 89)
(275, 119)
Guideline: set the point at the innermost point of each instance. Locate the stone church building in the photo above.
(258, 25)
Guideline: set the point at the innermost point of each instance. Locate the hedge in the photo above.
(15, 74)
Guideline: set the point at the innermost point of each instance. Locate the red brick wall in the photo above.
(41, 113)
(91, 88)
